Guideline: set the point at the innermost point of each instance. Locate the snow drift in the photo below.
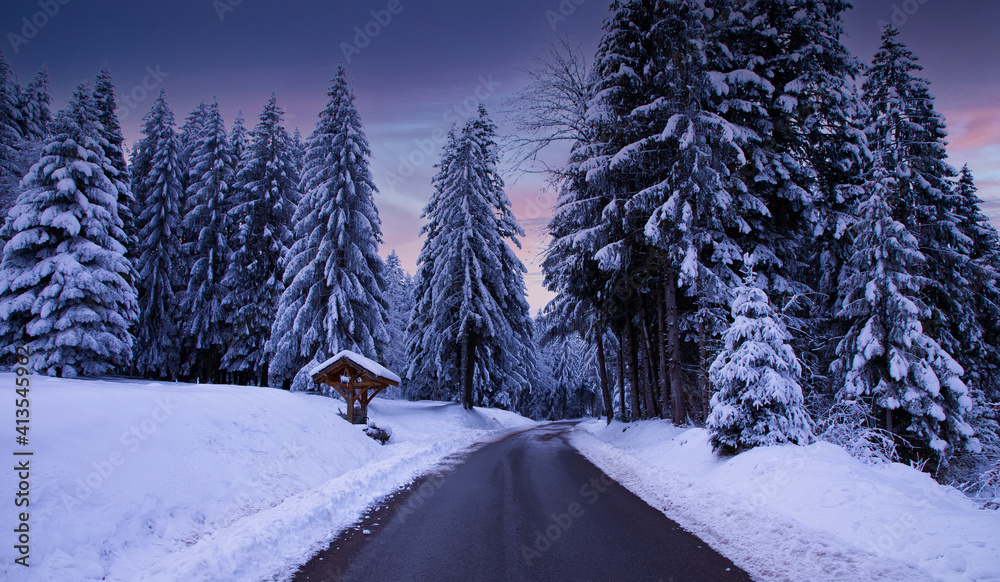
(152, 481)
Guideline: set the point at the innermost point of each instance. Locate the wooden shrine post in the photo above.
(354, 382)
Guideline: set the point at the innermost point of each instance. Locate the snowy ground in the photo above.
(801, 513)
(139, 482)
(165, 482)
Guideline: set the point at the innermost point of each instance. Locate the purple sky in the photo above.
(414, 75)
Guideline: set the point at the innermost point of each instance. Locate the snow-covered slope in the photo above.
(799, 514)
(148, 481)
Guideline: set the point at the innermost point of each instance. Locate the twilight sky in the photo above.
(422, 65)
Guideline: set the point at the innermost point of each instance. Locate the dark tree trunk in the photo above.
(702, 348)
(650, 365)
(661, 341)
(633, 370)
(703, 365)
(467, 373)
(674, 346)
(621, 376)
(602, 371)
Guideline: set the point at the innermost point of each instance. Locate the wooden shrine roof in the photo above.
(354, 366)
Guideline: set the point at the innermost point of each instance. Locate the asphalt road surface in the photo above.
(528, 507)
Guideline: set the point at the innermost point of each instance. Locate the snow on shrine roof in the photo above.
(375, 368)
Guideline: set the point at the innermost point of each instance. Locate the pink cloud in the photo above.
(972, 129)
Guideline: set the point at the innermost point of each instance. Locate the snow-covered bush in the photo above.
(380, 434)
(758, 400)
(849, 425)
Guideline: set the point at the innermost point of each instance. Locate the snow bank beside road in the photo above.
(151, 481)
(801, 513)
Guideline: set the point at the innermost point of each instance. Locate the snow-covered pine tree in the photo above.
(399, 289)
(666, 82)
(34, 118)
(34, 103)
(983, 372)
(263, 202)
(190, 132)
(111, 131)
(11, 169)
(624, 83)
(333, 298)
(757, 400)
(206, 219)
(239, 139)
(156, 184)
(470, 326)
(910, 135)
(568, 358)
(187, 136)
(64, 280)
(808, 165)
(298, 151)
(539, 402)
(104, 95)
(886, 357)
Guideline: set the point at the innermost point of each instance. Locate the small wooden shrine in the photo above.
(357, 379)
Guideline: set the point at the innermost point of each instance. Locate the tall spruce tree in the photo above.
(208, 251)
(886, 357)
(666, 81)
(399, 289)
(910, 134)
(188, 136)
(333, 298)
(264, 201)
(34, 118)
(34, 103)
(470, 328)
(11, 170)
(156, 183)
(104, 95)
(983, 274)
(808, 165)
(564, 386)
(982, 355)
(239, 139)
(298, 151)
(65, 290)
(190, 132)
(111, 131)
